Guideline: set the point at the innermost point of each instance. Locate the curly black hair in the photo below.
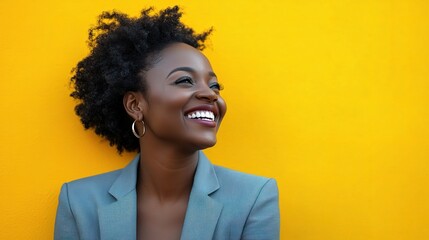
(120, 49)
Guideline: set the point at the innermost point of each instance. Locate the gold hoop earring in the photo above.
(134, 129)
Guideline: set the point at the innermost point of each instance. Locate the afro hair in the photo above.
(120, 48)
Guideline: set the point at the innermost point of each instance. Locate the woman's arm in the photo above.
(65, 224)
(263, 222)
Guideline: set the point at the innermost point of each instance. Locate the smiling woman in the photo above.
(148, 73)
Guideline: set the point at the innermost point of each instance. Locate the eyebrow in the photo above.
(189, 69)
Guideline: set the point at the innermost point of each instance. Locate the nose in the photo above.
(207, 94)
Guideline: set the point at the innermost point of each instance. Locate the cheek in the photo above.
(222, 106)
(166, 109)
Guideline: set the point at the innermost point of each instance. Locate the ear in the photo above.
(134, 104)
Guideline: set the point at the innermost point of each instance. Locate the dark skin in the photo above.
(180, 83)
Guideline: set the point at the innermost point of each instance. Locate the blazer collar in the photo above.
(118, 220)
(203, 211)
(205, 179)
(127, 180)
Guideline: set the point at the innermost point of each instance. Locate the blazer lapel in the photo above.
(118, 219)
(203, 211)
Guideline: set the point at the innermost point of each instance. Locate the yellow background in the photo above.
(329, 97)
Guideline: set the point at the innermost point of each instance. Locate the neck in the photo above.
(165, 173)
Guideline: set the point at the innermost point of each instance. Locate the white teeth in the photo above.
(203, 115)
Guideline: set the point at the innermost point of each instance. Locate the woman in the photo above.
(146, 87)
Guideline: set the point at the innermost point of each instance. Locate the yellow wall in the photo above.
(329, 97)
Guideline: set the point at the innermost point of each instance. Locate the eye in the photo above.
(216, 86)
(184, 81)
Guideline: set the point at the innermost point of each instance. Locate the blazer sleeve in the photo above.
(65, 224)
(263, 222)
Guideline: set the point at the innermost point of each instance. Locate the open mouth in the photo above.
(202, 115)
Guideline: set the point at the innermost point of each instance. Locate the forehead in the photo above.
(181, 55)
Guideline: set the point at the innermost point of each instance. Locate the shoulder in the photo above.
(101, 184)
(87, 193)
(92, 183)
(234, 185)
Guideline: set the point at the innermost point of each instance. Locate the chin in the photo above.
(204, 143)
(204, 146)
(196, 146)
(198, 140)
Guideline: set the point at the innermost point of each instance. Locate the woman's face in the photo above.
(183, 103)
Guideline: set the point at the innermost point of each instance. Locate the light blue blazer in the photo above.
(224, 204)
